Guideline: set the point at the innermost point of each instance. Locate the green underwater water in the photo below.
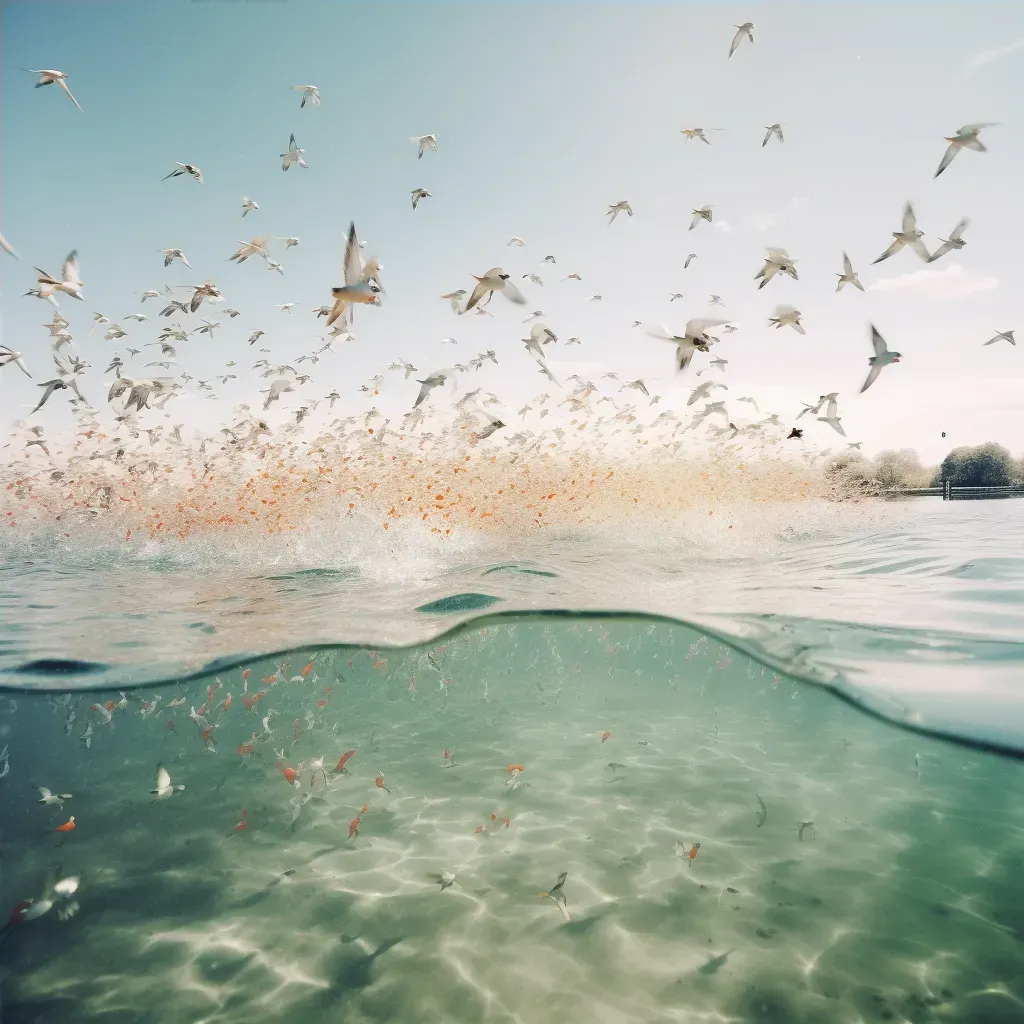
(903, 899)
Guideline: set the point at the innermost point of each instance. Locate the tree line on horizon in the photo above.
(983, 465)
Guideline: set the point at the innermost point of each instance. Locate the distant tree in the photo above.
(850, 471)
(900, 469)
(986, 465)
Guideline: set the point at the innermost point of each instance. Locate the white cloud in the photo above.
(723, 225)
(978, 60)
(952, 283)
(764, 221)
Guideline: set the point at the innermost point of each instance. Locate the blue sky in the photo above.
(546, 113)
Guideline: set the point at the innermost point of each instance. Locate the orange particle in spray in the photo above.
(68, 826)
(605, 736)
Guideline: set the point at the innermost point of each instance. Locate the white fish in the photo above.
(164, 789)
(965, 138)
(882, 358)
(60, 77)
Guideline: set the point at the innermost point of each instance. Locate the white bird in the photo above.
(848, 276)
(620, 207)
(747, 30)
(695, 133)
(787, 316)
(882, 358)
(557, 894)
(248, 205)
(435, 380)
(777, 261)
(516, 241)
(750, 399)
(48, 798)
(7, 247)
(71, 281)
(10, 355)
(180, 169)
(704, 213)
(170, 255)
(1000, 336)
(418, 194)
(693, 339)
(495, 280)
(831, 416)
(164, 789)
(702, 392)
(289, 242)
(907, 235)
(955, 241)
(309, 92)
(60, 77)
(293, 155)
(285, 307)
(774, 129)
(455, 298)
(361, 284)
(257, 247)
(424, 142)
(965, 138)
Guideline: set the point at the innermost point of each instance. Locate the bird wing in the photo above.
(959, 229)
(684, 356)
(878, 343)
(897, 244)
(69, 271)
(909, 220)
(694, 222)
(847, 265)
(767, 136)
(67, 91)
(921, 249)
(353, 264)
(163, 780)
(871, 378)
(736, 39)
(941, 251)
(481, 289)
(50, 386)
(513, 294)
(695, 328)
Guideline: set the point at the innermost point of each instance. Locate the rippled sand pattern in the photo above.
(903, 901)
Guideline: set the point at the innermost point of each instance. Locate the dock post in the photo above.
(946, 490)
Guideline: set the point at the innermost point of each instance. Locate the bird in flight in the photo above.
(60, 77)
(745, 30)
(965, 138)
(309, 92)
(882, 358)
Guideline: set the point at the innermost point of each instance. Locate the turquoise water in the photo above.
(850, 867)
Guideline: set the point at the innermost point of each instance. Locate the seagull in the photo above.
(424, 142)
(516, 241)
(674, 296)
(572, 277)
(293, 156)
(57, 384)
(695, 133)
(435, 380)
(285, 307)
(533, 279)
(882, 358)
(965, 138)
(774, 129)
(10, 355)
(170, 255)
(248, 204)
(620, 207)
(777, 261)
(48, 798)
(1000, 336)
(831, 417)
(848, 276)
(746, 29)
(694, 339)
(164, 789)
(255, 336)
(908, 235)
(455, 298)
(716, 300)
(60, 77)
(557, 894)
(361, 285)
(495, 280)
(747, 398)
(702, 392)
(704, 213)
(692, 256)
(418, 194)
(71, 282)
(208, 290)
(7, 247)
(309, 92)
(953, 242)
(787, 316)
(180, 169)
(257, 247)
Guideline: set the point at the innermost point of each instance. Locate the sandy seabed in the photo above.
(902, 901)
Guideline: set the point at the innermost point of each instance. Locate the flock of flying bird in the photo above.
(131, 395)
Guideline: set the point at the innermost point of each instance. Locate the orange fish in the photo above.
(68, 826)
(322, 702)
(244, 823)
(342, 761)
(308, 669)
(110, 705)
(693, 854)
(288, 773)
(270, 679)
(380, 782)
(605, 736)
(207, 737)
(246, 673)
(478, 830)
(227, 702)
(494, 817)
(515, 768)
(353, 828)
(508, 822)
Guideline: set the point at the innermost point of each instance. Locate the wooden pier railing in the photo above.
(951, 492)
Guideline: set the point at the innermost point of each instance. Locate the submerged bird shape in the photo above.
(745, 30)
(848, 276)
(955, 241)
(361, 286)
(60, 77)
(164, 789)
(965, 138)
(495, 280)
(557, 894)
(907, 235)
(693, 339)
(446, 879)
(293, 155)
(882, 358)
(309, 92)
